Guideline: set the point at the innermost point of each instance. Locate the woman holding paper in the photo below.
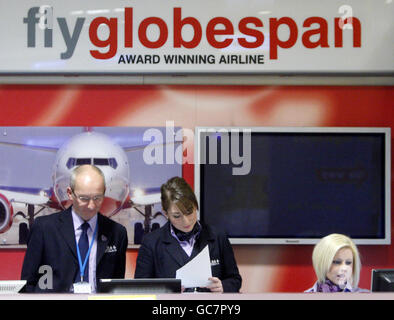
(182, 238)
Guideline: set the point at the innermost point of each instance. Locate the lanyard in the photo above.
(83, 266)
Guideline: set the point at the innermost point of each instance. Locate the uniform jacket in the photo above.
(52, 243)
(160, 255)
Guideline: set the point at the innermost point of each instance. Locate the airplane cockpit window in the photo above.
(112, 162)
(72, 162)
(82, 161)
(100, 162)
(105, 162)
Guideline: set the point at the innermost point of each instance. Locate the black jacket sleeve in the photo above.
(33, 257)
(231, 279)
(145, 262)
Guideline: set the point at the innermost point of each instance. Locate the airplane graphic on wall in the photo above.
(87, 147)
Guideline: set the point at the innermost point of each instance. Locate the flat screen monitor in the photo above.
(282, 185)
(382, 280)
(139, 286)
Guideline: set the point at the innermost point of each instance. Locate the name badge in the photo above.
(82, 287)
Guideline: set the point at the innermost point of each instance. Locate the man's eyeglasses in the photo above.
(97, 198)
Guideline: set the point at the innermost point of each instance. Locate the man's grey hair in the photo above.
(81, 169)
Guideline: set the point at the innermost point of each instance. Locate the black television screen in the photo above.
(294, 185)
(382, 280)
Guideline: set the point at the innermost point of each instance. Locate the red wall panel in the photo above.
(264, 268)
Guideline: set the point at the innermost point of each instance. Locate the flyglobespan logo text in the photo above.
(219, 32)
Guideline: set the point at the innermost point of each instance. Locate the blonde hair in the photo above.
(325, 251)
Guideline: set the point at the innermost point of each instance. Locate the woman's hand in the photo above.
(216, 285)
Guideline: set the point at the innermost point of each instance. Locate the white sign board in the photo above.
(205, 36)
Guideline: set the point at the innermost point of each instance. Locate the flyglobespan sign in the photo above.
(197, 36)
(247, 27)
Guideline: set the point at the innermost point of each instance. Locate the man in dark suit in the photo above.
(55, 252)
(169, 248)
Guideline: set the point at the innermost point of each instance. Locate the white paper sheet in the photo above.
(197, 271)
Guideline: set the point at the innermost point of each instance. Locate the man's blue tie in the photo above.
(83, 245)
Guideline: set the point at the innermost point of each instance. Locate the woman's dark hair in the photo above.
(177, 191)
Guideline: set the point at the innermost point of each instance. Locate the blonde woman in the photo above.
(337, 265)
